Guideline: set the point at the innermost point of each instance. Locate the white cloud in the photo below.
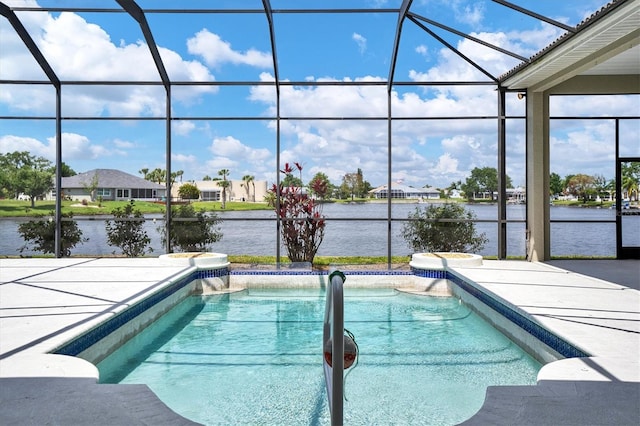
(460, 144)
(227, 151)
(583, 149)
(79, 50)
(446, 165)
(79, 147)
(365, 101)
(183, 127)
(598, 105)
(471, 151)
(450, 67)
(74, 147)
(12, 143)
(227, 147)
(181, 160)
(216, 52)
(218, 163)
(422, 50)
(469, 14)
(360, 41)
(342, 146)
(124, 144)
(21, 3)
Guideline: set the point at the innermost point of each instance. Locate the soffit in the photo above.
(626, 62)
(608, 46)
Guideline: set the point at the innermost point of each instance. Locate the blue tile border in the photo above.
(317, 273)
(380, 272)
(429, 273)
(94, 335)
(277, 272)
(552, 340)
(88, 339)
(213, 273)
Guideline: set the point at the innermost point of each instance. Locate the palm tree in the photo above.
(224, 185)
(630, 179)
(144, 173)
(248, 180)
(629, 186)
(157, 175)
(175, 175)
(610, 189)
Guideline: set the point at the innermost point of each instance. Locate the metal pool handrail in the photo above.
(333, 331)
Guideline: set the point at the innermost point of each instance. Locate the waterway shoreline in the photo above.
(362, 230)
(10, 210)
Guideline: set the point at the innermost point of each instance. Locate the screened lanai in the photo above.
(413, 92)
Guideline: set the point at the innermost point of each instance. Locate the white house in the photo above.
(455, 193)
(238, 190)
(402, 191)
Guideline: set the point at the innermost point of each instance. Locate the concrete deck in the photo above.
(45, 302)
(599, 317)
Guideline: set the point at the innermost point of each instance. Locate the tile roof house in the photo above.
(111, 185)
(399, 190)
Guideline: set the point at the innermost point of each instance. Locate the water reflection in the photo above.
(365, 232)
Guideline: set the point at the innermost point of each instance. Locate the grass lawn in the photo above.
(16, 208)
(321, 262)
(592, 204)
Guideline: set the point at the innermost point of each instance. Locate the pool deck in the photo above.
(594, 305)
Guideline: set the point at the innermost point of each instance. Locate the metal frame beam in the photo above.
(454, 50)
(132, 8)
(469, 37)
(55, 81)
(402, 14)
(502, 174)
(536, 15)
(272, 37)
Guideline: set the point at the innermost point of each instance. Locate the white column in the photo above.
(538, 247)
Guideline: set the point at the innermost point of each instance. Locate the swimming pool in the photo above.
(255, 357)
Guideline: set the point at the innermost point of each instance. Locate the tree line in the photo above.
(30, 175)
(586, 187)
(353, 186)
(33, 176)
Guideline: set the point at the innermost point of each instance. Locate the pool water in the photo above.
(255, 357)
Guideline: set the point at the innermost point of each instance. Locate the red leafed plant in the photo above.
(301, 216)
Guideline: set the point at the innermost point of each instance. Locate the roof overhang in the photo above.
(607, 46)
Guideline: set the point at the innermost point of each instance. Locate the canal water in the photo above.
(360, 229)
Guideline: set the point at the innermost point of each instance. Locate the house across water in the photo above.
(109, 185)
(399, 190)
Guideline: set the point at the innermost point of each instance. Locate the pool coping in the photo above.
(181, 277)
(507, 280)
(512, 313)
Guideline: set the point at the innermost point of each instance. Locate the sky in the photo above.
(231, 126)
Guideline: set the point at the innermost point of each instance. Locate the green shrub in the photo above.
(41, 234)
(191, 230)
(189, 191)
(126, 231)
(445, 227)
